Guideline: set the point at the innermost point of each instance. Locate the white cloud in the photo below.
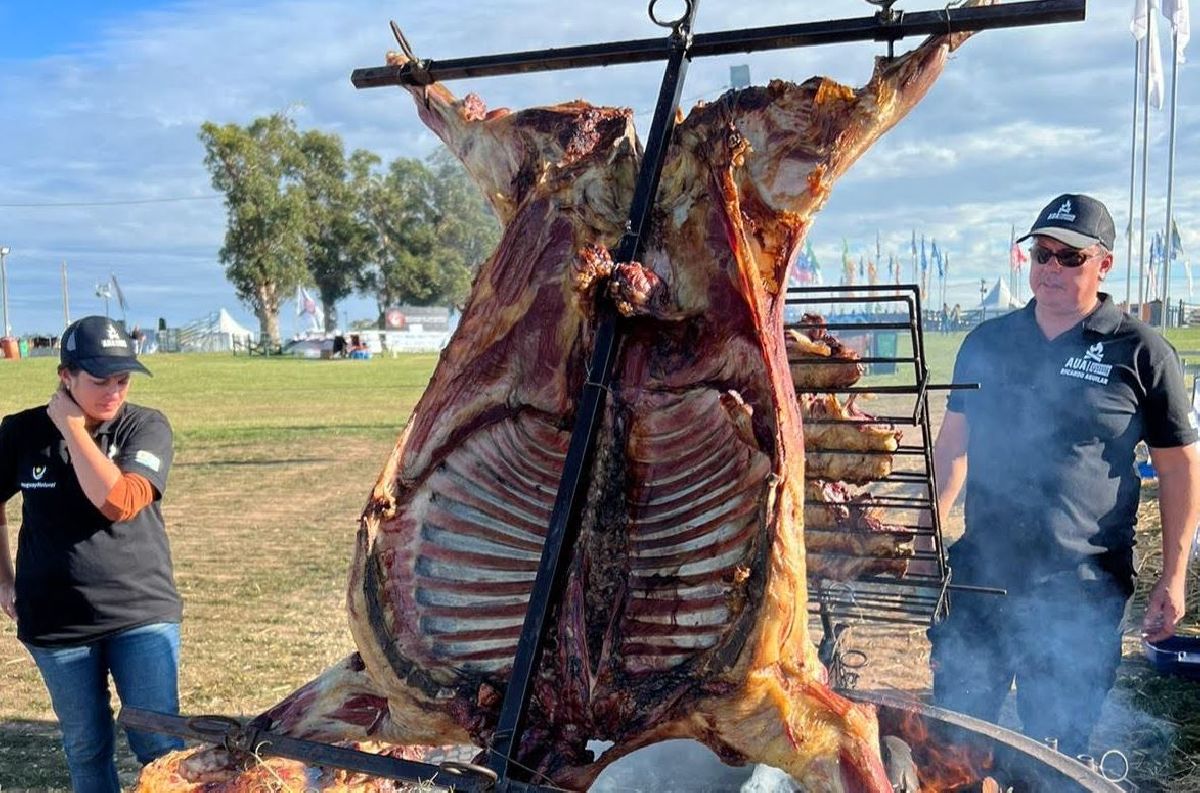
(1019, 116)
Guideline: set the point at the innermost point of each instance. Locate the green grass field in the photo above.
(274, 461)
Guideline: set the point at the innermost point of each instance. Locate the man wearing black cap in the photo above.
(1069, 385)
(93, 591)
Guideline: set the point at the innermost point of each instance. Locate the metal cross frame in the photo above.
(678, 49)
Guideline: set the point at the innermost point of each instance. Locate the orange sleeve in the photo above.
(128, 497)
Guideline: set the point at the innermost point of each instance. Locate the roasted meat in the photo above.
(817, 359)
(846, 539)
(684, 611)
(843, 443)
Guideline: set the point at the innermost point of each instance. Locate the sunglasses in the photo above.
(1067, 258)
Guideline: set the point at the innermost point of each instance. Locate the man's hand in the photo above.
(1164, 609)
(8, 599)
(65, 413)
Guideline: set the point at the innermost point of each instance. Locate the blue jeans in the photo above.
(144, 663)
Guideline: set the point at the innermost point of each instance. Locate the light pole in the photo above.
(4, 286)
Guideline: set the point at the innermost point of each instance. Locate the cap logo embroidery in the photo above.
(1064, 212)
(113, 339)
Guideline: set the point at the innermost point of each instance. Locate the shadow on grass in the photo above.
(31, 758)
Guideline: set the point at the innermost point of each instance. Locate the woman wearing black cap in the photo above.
(93, 592)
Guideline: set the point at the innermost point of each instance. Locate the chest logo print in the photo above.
(38, 472)
(1090, 366)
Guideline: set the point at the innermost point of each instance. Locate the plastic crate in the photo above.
(1178, 655)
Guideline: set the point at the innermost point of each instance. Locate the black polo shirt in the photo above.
(1051, 480)
(80, 576)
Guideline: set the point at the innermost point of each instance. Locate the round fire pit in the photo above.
(954, 754)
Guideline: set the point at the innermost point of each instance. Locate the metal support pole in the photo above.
(872, 28)
(4, 331)
(1137, 51)
(560, 534)
(1145, 168)
(1170, 239)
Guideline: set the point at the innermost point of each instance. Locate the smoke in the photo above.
(682, 767)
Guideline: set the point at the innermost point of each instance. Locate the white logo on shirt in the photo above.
(1089, 366)
(148, 459)
(36, 483)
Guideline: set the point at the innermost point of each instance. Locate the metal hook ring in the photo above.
(674, 24)
(455, 768)
(215, 726)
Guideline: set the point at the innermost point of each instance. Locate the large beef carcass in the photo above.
(684, 612)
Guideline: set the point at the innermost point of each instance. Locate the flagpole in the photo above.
(1170, 243)
(1145, 168)
(1137, 52)
(65, 299)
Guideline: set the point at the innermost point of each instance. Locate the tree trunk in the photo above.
(331, 317)
(267, 312)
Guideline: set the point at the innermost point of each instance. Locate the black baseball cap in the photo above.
(100, 347)
(1076, 220)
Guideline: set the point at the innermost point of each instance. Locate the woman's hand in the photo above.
(65, 413)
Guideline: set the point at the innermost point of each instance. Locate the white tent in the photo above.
(1000, 300)
(217, 332)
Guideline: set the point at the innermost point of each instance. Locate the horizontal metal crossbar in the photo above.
(806, 34)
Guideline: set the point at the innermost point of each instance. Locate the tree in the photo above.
(259, 169)
(429, 228)
(465, 224)
(338, 241)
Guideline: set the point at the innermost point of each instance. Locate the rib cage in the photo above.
(483, 517)
(691, 522)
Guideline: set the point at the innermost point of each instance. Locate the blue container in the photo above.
(1178, 655)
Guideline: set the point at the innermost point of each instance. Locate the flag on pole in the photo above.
(815, 266)
(862, 271)
(847, 264)
(936, 255)
(872, 272)
(1145, 28)
(307, 307)
(1176, 242)
(1177, 13)
(800, 274)
(924, 261)
(120, 295)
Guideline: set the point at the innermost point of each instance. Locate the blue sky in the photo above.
(100, 104)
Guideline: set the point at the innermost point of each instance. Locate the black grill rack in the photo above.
(884, 324)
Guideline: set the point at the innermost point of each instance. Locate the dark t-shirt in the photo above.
(80, 576)
(1052, 486)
